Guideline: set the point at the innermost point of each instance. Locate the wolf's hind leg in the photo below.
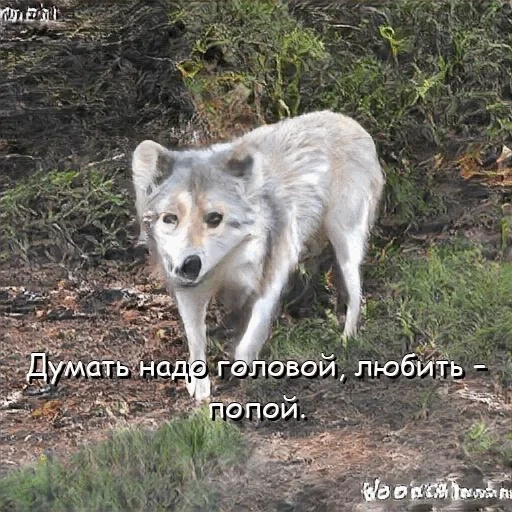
(192, 306)
(349, 247)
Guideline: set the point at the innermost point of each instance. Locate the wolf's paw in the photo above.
(200, 389)
(350, 331)
(246, 357)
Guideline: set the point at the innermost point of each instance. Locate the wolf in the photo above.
(235, 219)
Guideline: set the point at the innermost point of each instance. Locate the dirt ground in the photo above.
(403, 432)
(355, 432)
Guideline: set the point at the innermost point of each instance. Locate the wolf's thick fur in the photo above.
(237, 217)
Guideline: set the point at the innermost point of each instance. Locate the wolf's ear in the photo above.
(150, 162)
(241, 162)
(240, 166)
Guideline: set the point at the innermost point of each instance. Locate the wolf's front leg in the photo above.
(192, 304)
(262, 314)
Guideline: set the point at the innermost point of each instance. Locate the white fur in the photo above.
(280, 189)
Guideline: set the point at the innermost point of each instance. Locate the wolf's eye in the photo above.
(213, 219)
(170, 218)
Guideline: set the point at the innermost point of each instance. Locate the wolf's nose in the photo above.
(191, 267)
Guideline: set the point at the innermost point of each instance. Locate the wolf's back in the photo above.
(319, 158)
(334, 135)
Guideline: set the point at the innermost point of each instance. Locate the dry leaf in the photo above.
(49, 409)
(329, 278)
(161, 334)
(470, 167)
(438, 161)
(130, 315)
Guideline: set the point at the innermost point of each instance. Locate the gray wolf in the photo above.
(236, 218)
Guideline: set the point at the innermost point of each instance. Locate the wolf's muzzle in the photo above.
(190, 268)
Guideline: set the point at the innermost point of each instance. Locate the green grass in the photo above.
(456, 303)
(246, 58)
(305, 339)
(173, 468)
(449, 302)
(482, 439)
(478, 438)
(424, 77)
(80, 214)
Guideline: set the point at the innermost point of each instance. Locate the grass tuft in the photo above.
(80, 214)
(424, 77)
(246, 62)
(454, 303)
(136, 470)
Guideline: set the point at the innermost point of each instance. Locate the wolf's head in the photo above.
(194, 206)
